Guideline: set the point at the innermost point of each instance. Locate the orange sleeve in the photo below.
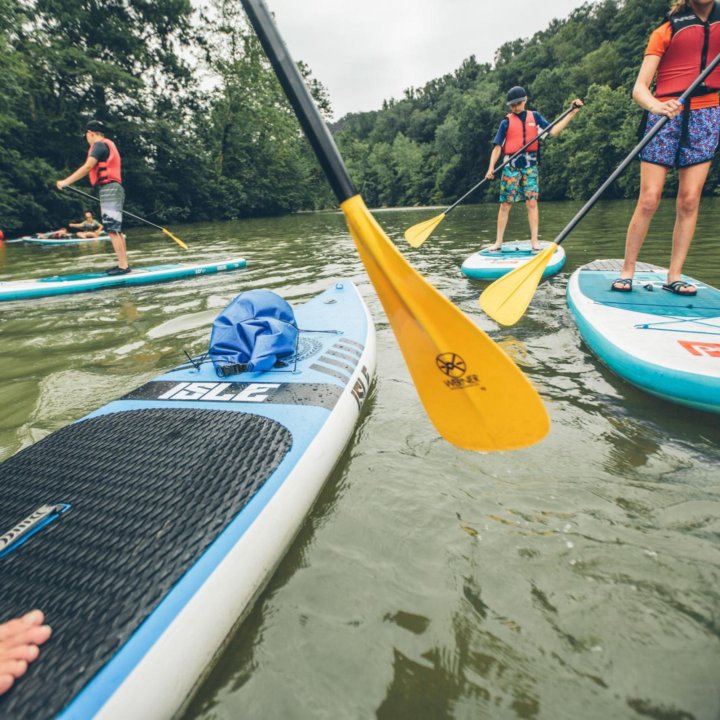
(659, 40)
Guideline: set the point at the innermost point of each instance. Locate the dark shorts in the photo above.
(112, 198)
(518, 184)
(698, 146)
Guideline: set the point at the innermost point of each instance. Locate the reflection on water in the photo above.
(574, 579)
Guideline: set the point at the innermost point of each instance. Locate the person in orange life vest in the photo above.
(89, 227)
(519, 180)
(677, 52)
(2, 235)
(103, 166)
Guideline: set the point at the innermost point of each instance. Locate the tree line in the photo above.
(206, 134)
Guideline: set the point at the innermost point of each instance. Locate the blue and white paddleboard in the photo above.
(146, 530)
(490, 265)
(67, 240)
(663, 343)
(66, 284)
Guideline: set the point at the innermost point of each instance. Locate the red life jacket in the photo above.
(109, 170)
(520, 133)
(694, 43)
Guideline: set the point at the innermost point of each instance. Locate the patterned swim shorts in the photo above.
(699, 145)
(518, 184)
(112, 198)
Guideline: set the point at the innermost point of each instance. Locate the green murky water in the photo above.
(579, 578)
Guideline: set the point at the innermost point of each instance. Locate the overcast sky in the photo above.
(366, 51)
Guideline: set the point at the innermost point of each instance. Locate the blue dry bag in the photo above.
(255, 330)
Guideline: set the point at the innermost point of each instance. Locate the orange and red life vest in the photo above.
(109, 170)
(520, 133)
(694, 44)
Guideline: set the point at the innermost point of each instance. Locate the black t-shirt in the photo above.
(100, 151)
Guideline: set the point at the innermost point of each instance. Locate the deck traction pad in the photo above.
(150, 490)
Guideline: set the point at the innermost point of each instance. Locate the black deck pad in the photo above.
(150, 490)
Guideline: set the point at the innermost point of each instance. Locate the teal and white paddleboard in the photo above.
(85, 282)
(146, 530)
(67, 240)
(663, 343)
(490, 265)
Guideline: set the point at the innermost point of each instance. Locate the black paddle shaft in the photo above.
(512, 157)
(315, 129)
(685, 97)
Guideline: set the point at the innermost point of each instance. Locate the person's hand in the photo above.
(490, 175)
(577, 103)
(60, 184)
(670, 108)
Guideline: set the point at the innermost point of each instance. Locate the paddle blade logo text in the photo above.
(454, 367)
(701, 349)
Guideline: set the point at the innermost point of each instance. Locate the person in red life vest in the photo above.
(2, 236)
(103, 166)
(20, 639)
(519, 180)
(677, 52)
(89, 227)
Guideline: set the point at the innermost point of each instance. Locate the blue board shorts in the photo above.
(112, 199)
(518, 184)
(670, 149)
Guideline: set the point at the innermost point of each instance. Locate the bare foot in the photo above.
(19, 640)
(493, 248)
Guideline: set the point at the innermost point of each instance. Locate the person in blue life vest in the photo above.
(103, 165)
(519, 180)
(678, 50)
(88, 228)
(20, 639)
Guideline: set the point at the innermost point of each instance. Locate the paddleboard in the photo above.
(145, 530)
(490, 265)
(663, 343)
(67, 240)
(85, 282)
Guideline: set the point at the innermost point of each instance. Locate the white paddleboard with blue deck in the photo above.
(85, 282)
(48, 241)
(492, 264)
(146, 530)
(665, 344)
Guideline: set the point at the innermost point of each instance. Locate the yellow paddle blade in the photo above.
(507, 299)
(418, 234)
(176, 239)
(474, 394)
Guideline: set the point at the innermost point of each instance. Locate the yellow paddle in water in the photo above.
(507, 299)
(418, 234)
(474, 394)
(129, 214)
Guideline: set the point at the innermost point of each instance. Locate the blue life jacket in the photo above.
(256, 329)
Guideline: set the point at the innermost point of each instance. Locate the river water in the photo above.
(579, 578)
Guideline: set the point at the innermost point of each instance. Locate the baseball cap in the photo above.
(516, 94)
(96, 126)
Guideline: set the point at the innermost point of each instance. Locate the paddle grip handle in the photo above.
(635, 152)
(314, 127)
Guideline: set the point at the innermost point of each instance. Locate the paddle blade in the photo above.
(507, 299)
(474, 394)
(418, 234)
(176, 239)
